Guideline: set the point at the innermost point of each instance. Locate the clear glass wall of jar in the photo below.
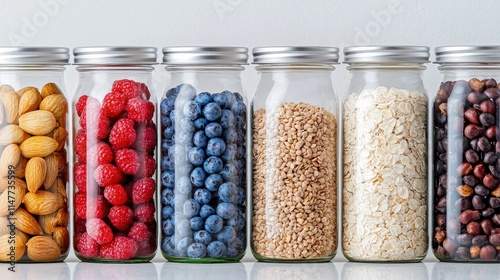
(114, 143)
(294, 119)
(466, 209)
(203, 155)
(34, 214)
(384, 201)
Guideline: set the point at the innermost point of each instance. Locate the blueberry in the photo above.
(232, 252)
(167, 197)
(165, 145)
(168, 246)
(203, 237)
(183, 185)
(198, 176)
(201, 123)
(164, 107)
(196, 156)
(227, 119)
(241, 151)
(230, 152)
(187, 125)
(186, 92)
(212, 111)
(168, 179)
(167, 164)
(239, 122)
(169, 132)
(200, 139)
(185, 169)
(202, 196)
(213, 182)
(206, 211)
(241, 196)
(226, 210)
(196, 250)
(234, 247)
(196, 223)
(230, 136)
(213, 130)
(216, 249)
(226, 234)
(229, 172)
(238, 223)
(231, 99)
(167, 212)
(174, 149)
(183, 245)
(170, 102)
(185, 137)
(191, 208)
(183, 228)
(239, 109)
(222, 99)
(172, 116)
(241, 136)
(165, 121)
(203, 98)
(214, 224)
(168, 227)
(212, 165)
(228, 192)
(238, 97)
(192, 110)
(216, 147)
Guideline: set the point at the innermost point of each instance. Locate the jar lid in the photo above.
(386, 54)
(205, 55)
(290, 54)
(468, 54)
(34, 56)
(114, 55)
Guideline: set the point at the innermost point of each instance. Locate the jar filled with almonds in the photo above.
(33, 155)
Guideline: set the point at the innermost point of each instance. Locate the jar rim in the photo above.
(205, 55)
(26, 56)
(458, 54)
(381, 54)
(115, 55)
(295, 55)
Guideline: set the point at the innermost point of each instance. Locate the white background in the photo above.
(249, 23)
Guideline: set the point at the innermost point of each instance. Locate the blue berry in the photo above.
(238, 97)
(238, 223)
(196, 250)
(240, 152)
(230, 153)
(222, 99)
(241, 196)
(226, 210)
(186, 92)
(201, 123)
(196, 156)
(213, 224)
(226, 234)
(230, 136)
(229, 172)
(168, 227)
(174, 149)
(165, 121)
(164, 108)
(167, 197)
(185, 137)
(192, 110)
(213, 130)
(167, 212)
(187, 125)
(228, 192)
(191, 208)
(239, 109)
(216, 147)
(203, 98)
(213, 182)
(203, 237)
(216, 249)
(202, 196)
(185, 169)
(198, 176)
(239, 122)
(206, 211)
(183, 185)
(165, 145)
(169, 102)
(231, 99)
(212, 111)
(212, 165)
(183, 228)
(235, 246)
(241, 136)
(227, 119)
(168, 246)
(196, 223)
(200, 139)
(172, 116)
(167, 164)
(183, 245)
(168, 179)
(169, 132)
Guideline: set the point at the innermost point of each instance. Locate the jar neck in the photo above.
(19, 76)
(452, 72)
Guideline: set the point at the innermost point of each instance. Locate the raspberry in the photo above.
(148, 166)
(127, 88)
(145, 212)
(147, 248)
(107, 174)
(81, 104)
(100, 153)
(80, 175)
(113, 104)
(99, 231)
(81, 205)
(121, 217)
(122, 248)
(81, 145)
(87, 246)
(80, 225)
(94, 120)
(139, 232)
(145, 93)
(128, 189)
(139, 110)
(146, 138)
(122, 134)
(97, 208)
(115, 194)
(128, 161)
(143, 190)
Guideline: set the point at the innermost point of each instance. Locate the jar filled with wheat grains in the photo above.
(384, 199)
(33, 163)
(294, 115)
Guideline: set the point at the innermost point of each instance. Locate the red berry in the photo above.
(146, 138)
(113, 104)
(145, 93)
(80, 175)
(145, 212)
(121, 217)
(94, 120)
(139, 110)
(81, 205)
(127, 88)
(143, 190)
(97, 207)
(122, 248)
(107, 174)
(81, 104)
(122, 134)
(99, 231)
(87, 246)
(81, 145)
(100, 153)
(147, 248)
(139, 232)
(115, 194)
(128, 161)
(148, 166)
(80, 225)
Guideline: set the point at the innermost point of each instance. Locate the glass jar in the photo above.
(384, 201)
(114, 145)
(294, 118)
(466, 210)
(203, 155)
(33, 157)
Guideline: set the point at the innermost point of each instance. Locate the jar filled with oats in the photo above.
(384, 201)
(294, 115)
(33, 155)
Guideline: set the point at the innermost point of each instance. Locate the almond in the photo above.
(55, 103)
(2, 113)
(21, 167)
(50, 89)
(61, 237)
(23, 236)
(60, 134)
(62, 216)
(5, 247)
(36, 170)
(4, 226)
(10, 102)
(52, 171)
(10, 157)
(42, 249)
(59, 188)
(11, 199)
(29, 100)
(42, 202)
(61, 160)
(48, 223)
(6, 88)
(26, 223)
(4, 183)
(38, 122)
(12, 134)
(38, 146)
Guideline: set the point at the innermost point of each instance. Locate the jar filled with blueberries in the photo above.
(203, 155)
(466, 181)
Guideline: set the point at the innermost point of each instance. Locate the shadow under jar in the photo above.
(466, 182)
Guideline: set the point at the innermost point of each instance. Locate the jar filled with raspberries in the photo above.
(114, 147)
(203, 155)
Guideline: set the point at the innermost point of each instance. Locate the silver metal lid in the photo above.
(468, 54)
(34, 56)
(386, 54)
(205, 55)
(115, 55)
(304, 54)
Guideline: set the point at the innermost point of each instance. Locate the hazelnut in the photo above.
(465, 190)
(474, 252)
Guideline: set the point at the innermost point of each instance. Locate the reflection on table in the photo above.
(384, 271)
(459, 271)
(36, 271)
(190, 271)
(290, 271)
(111, 271)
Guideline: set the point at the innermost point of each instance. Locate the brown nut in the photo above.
(450, 245)
(29, 99)
(491, 132)
(465, 190)
(472, 115)
(443, 107)
(488, 253)
(61, 237)
(472, 131)
(496, 192)
(476, 84)
(42, 249)
(492, 93)
(440, 236)
(473, 228)
(469, 215)
(486, 226)
(490, 181)
(55, 103)
(5, 247)
(474, 251)
(464, 169)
